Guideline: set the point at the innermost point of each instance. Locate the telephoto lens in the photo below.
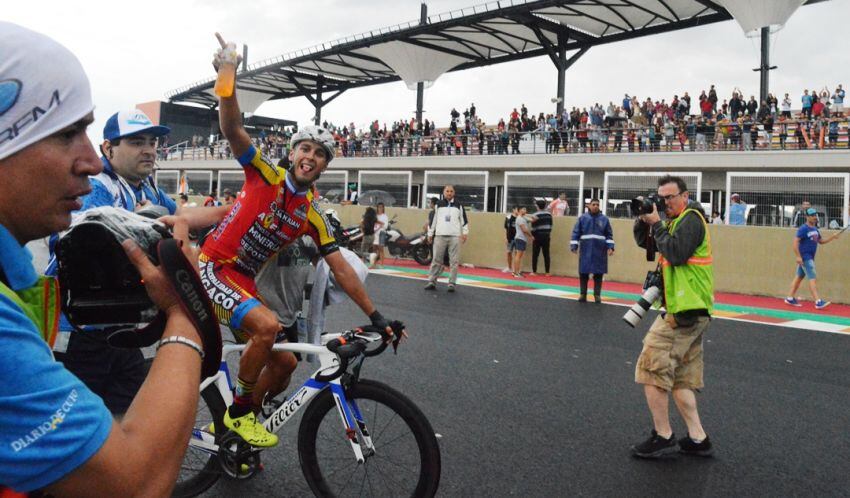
(638, 310)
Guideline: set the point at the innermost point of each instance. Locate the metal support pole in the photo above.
(420, 87)
(765, 64)
(319, 102)
(562, 73)
(420, 97)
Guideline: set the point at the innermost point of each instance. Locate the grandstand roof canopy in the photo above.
(477, 36)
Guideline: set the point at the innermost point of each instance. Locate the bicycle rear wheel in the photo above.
(406, 456)
(200, 469)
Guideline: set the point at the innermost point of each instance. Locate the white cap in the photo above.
(43, 88)
(128, 123)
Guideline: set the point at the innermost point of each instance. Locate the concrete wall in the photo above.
(747, 260)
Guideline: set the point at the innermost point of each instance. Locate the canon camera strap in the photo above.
(187, 285)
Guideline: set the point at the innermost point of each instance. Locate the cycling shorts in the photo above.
(233, 294)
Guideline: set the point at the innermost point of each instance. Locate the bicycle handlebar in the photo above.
(349, 346)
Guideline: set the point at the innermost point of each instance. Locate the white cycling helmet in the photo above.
(316, 134)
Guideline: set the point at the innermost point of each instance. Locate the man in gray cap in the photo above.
(55, 434)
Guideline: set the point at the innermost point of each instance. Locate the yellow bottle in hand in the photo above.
(225, 83)
(226, 80)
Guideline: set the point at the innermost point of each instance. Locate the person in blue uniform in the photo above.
(593, 239)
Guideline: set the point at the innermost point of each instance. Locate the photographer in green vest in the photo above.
(672, 357)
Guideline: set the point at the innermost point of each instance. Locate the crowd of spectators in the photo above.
(816, 120)
(649, 125)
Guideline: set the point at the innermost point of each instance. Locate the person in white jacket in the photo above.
(448, 230)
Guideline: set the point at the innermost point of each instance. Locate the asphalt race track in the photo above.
(534, 396)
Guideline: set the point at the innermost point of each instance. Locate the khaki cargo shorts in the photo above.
(672, 358)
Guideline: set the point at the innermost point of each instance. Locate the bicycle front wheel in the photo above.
(402, 460)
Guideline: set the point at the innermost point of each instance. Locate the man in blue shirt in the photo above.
(737, 211)
(129, 150)
(806, 100)
(55, 434)
(805, 246)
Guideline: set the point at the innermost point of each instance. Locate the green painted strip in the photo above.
(750, 310)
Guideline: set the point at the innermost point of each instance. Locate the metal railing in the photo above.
(185, 151)
(719, 137)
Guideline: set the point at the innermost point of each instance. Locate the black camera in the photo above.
(99, 285)
(643, 205)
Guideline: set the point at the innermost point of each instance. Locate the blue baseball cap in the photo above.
(812, 212)
(126, 123)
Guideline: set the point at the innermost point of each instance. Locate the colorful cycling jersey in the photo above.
(268, 214)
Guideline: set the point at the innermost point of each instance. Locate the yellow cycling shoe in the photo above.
(249, 429)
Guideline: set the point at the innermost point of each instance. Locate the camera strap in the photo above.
(187, 285)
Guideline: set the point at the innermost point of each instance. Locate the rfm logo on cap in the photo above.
(9, 91)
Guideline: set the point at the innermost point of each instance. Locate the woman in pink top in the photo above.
(559, 206)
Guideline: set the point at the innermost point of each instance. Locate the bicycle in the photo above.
(371, 413)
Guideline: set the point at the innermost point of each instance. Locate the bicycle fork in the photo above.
(355, 425)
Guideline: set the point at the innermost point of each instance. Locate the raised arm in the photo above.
(230, 119)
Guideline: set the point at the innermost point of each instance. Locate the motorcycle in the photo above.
(402, 246)
(348, 237)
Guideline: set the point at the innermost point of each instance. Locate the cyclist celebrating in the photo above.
(275, 208)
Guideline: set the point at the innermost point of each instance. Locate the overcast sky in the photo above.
(137, 52)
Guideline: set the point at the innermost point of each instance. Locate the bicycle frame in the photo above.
(349, 412)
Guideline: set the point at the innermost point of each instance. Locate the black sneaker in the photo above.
(430, 286)
(582, 298)
(687, 446)
(655, 447)
(451, 288)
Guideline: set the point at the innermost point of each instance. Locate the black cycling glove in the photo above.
(378, 320)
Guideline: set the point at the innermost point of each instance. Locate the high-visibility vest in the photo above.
(40, 303)
(689, 286)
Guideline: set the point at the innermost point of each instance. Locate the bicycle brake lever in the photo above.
(398, 328)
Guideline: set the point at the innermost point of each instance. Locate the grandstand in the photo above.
(494, 168)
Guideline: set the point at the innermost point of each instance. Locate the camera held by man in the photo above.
(653, 284)
(653, 287)
(672, 357)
